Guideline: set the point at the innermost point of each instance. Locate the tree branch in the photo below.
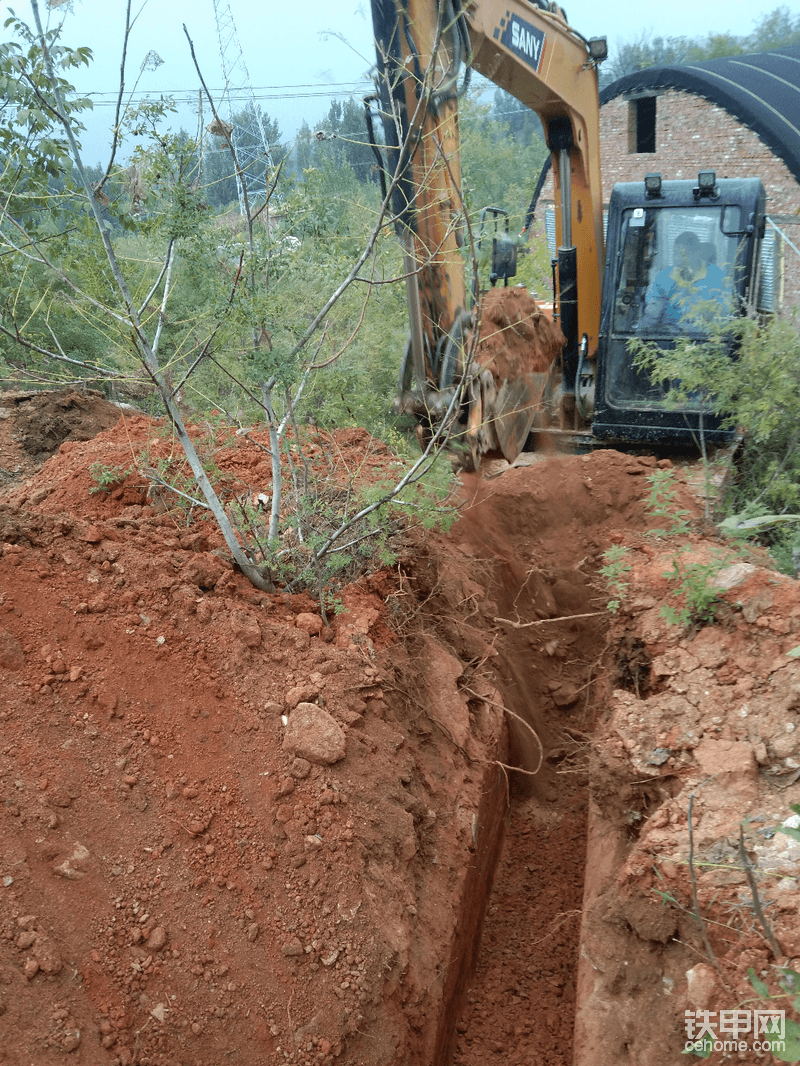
(145, 351)
(60, 357)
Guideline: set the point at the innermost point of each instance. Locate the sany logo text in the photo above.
(530, 43)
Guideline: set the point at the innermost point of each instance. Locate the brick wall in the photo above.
(694, 134)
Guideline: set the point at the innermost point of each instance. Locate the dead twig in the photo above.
(564, 916)
(291, 1025)
(546, 621)
(777, 951)
(137, 1046)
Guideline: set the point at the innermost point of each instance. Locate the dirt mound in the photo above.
(516, 338)
(42, 421)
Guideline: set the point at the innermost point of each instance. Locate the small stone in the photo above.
(301, 694)
(72, 868)
(12, 656)
(311, 623)
(312, 843)
(658, 756)
(191, 793)
(72, 1040)
(300, 769)
(329, 960)
(252, 932)
(30, 969)
(24, 940)
(246, 629)
(157, 939)
(701, 983)
(312, 734)
(292, 948)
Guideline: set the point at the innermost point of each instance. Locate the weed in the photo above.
(700, 599)
(661, 503)
(785, 1045)
(107, 478)
(616, 565)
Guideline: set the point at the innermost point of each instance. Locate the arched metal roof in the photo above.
(762, 91)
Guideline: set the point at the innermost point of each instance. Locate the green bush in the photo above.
(756, 390)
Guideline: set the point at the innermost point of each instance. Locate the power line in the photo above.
(191, 100)
(256, 88)
(266, 89)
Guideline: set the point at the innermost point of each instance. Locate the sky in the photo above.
(296, 56)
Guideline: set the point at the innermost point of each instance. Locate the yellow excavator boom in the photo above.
(423, 48)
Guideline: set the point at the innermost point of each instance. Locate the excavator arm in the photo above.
(423, 48)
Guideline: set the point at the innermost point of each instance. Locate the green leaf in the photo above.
(739, 522)
(788, 1048)
(757, 983)
(789, 831)
(794, 653)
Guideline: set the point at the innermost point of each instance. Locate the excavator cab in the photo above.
(681, 260)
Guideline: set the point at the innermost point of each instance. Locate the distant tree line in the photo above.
(777, 29)
(338, 143)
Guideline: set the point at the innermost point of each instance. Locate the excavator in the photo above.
(678, 256)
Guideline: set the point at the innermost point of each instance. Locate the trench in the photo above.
(518, 1007)
(516, 1003)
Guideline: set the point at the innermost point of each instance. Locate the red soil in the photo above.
(176, 888)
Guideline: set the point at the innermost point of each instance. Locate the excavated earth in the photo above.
(231, 832)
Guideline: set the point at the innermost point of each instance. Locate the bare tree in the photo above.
(252, 546)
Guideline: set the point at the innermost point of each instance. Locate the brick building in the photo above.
(738, 116)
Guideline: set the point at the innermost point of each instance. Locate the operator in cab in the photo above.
(688, 293)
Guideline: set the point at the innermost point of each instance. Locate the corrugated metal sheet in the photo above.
(550, 227)
(767, 296)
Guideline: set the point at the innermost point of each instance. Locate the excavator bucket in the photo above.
(517, 347)
(515, 409)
